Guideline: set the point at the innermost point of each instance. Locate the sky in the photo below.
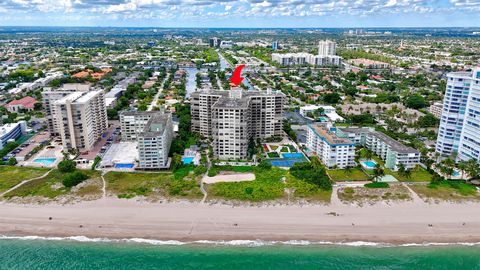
(241, 13)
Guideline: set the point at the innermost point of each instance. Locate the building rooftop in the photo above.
(156, 125)
(69, 98)
(7, 128)
(27, 102)
(331, 137)
(87, 96)
(394, 145)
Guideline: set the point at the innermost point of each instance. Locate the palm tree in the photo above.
(368, 154)
(462, 166)
(408, 173)
(378, 171)
(472, 168)
(401, 169)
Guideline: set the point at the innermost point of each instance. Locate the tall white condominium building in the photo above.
(154, 133)
(329, 148)
(134, 122)
(294, 59)
(327, 47)
(234, 118)
(389, 150)
(453, 112)
(81, 118)
(50, 95)
(469, 147)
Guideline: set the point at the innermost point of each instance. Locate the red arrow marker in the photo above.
(236, 79)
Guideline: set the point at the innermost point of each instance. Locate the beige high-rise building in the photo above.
(234, 118)
(50, 95)
(81, 119)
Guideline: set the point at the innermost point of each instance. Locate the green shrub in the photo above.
(67, 166)
(265, 165)
(212, 172)
(200, 170)
(377, 185)
(74, 179)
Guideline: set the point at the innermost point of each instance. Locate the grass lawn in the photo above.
(354, 174)
(308, 191)
(274, 147)
(11, 176)
(418, 175)
(273, 155)
(284, 149)
(447, 191)
(131, 184)
(266, 186)
(50, 186)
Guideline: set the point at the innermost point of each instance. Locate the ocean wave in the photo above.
(240, 243)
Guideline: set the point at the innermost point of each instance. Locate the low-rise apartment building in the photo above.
(389, 150)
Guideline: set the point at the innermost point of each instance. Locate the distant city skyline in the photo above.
(241, 13)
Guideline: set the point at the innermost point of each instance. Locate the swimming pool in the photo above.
(369, 164)
(124, 165)
(45, 161)
(456, 173)
(292, 155)
(187, 160)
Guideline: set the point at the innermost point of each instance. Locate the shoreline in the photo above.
(393, 224)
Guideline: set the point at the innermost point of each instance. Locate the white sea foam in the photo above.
(244, 243)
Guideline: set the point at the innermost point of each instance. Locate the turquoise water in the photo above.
(187, 160)
(45, 161)
(28, 254)
(124, 165)
(292, 155)
(369, 164)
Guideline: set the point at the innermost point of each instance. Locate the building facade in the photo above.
(81, 119)
(388, 149)
(294, 59)
(154, 142)
(436, 109)
(453, 112)
(469, 146)
(49, 96)
(327, 47)
(11, 132)
(234, 118)
(154, 133)
(332, 150)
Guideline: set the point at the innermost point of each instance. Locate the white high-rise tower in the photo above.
(327, 47)
(453, 112)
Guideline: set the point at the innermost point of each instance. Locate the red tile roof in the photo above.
(27, 102)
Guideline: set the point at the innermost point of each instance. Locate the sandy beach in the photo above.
(397, 223)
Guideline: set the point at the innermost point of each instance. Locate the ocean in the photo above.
(75, 253)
